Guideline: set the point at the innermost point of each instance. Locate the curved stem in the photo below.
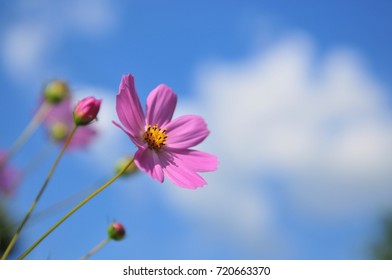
(26, 133)
(57, 206)
(66, 216)
(36, 160)
(96, 248)
(31, 165)
(38, 216)
(41, 191)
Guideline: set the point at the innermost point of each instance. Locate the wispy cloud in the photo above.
(39, 27)
(321, 123)
(24, 48)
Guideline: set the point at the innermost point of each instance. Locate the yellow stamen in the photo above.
(155, 137)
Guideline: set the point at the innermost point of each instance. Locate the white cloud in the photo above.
(40, 26)
(24, 47)
(229, 209)
(321, 123)
(90, 17)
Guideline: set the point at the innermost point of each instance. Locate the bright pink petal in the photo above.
(185, 132)
(195, 160)
(128, 107)
(161, 103)
(179, 174)
(148, 161)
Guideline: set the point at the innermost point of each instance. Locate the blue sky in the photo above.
(296, 95)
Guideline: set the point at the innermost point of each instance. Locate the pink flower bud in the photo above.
(116, 231)
(86, 110)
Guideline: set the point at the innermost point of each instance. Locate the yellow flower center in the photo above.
(155, 137)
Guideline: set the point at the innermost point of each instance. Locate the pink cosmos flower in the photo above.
(163, 144)
(59, 123)
(8, 177)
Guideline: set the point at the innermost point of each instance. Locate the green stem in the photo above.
(37, 216)
(26, 133)
(55, 207)
(32, 164)
(16, 235)
(37, 159)
(96, 248)
(66, 216)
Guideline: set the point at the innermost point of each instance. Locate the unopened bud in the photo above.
(56, 91)
(121, 163)
(86, 110)
(116, 231)
(59, 131)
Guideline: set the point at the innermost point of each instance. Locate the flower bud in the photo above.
(121, 163)
(56, 91)
(116, 231)
(86, 110)
(59, 131)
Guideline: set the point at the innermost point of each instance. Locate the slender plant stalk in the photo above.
(16, 235)
(77, 207)
(37, 159)
(96, 248)
(57, 206)
(38, 216)
(28, 131)
(33, 163)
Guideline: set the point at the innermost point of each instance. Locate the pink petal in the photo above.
(148, 161)
(128, 107)
(185, 132)
(161, 103)
(136, 140)
(195, 160)
(179, 174)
